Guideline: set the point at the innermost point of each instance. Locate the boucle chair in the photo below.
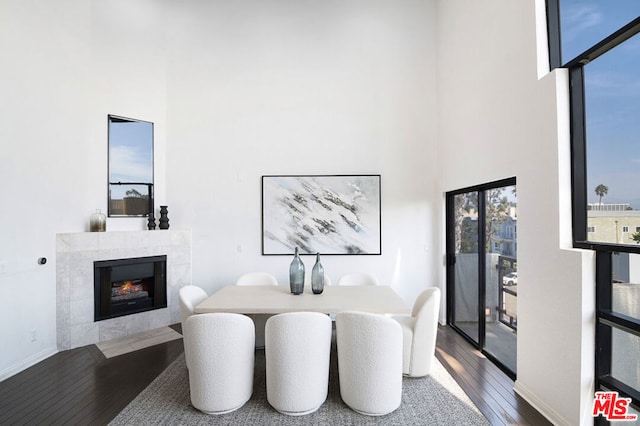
(257, 278)
(259, 320)
(189, 297)
(369, 362)
(358, 279)
(297, 351)
(221, 361)
(419, 333)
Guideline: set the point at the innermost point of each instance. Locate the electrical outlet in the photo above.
(34, 335)
(3, 267)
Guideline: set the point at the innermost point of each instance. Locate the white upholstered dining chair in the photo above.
(259, 320)
(357, 279)
(221, 359)
(257, 278)
(190, 296)
(419, 331)
(297, 351)
(369, 362)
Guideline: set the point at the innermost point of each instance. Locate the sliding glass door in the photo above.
(465, 265)
(482, 268)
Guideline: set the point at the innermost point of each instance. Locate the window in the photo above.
(510, 232)
(130, 167)
(611, 128)
(598, 43)
(585, 23)
(618, 312)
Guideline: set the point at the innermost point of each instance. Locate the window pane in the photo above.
(501, 280)
(128, 200)
(587, 22)
(625, 363)
(625, 296)
(612, 108)
(630, 410)
(466, 266)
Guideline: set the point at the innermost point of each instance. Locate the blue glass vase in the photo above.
(296, 274)
(317, 276)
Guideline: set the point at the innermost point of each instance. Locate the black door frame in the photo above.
(451, 260)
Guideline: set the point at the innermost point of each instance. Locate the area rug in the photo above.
(433, 400)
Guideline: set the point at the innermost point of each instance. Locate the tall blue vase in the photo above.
(317, 276)
(296, 274)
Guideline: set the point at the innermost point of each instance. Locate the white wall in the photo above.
(39, 110)
(498, 120)
(236, 90)
(290, 87)
(65, 66)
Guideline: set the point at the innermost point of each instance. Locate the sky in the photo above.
(130, 155)
(612, 95)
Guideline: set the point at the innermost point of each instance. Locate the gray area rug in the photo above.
(433, 400)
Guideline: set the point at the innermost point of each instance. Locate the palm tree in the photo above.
(601, 190)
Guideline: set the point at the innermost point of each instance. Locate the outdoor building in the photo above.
(613, 226)
(506, 238)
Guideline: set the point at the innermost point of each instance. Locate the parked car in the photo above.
(510, 279)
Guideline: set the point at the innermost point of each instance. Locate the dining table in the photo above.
(266, 299)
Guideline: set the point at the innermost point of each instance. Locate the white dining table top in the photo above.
(279, 299)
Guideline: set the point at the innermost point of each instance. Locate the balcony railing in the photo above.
(508, 306)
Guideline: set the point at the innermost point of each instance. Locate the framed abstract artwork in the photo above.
(338, 214)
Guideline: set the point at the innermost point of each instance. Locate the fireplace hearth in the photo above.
(128, 286)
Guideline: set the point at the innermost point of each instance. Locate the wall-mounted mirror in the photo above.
(130, 167)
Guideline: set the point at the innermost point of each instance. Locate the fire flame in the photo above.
(128, 287)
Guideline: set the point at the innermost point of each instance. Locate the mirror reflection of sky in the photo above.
(612, 96)
(130, 155)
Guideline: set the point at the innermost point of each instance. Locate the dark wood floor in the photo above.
(81, 386)
(485, 384)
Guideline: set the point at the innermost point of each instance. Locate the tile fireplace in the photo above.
(76, 256)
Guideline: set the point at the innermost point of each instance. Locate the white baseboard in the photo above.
(539, 405)
(34, 359)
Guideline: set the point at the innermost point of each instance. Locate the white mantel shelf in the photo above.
(75, 254)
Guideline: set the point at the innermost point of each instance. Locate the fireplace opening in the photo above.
(128, 286)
